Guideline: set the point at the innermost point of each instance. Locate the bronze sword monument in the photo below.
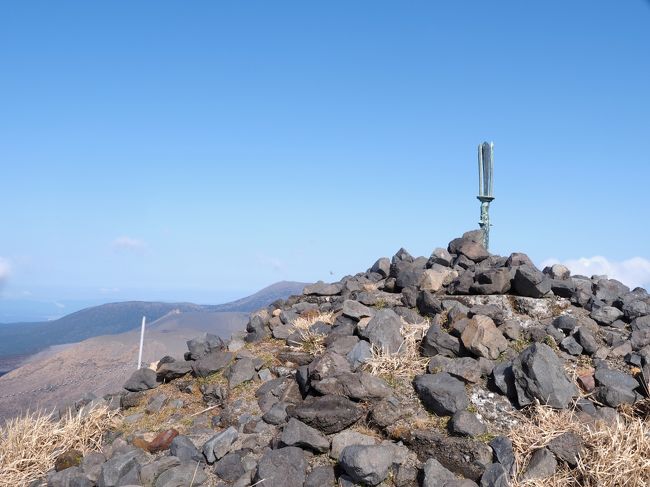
(485, 187)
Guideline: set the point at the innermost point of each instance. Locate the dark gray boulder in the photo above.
(519, 258)
(464, 368)
(184, 449)
(438, 341)
(241, 371)
(285, 467)
(322, 289)
(469, 247)
(184, 475)
(609, 291)
(539, 374)
(151, 471)
(571, 346)
(567, 447)
(492, 281)
(230, 467)
(383, 331)
(563, 288)
(359, 354)
(327, 365)
(441, 393)
(586, 340)
(440, 256)
(530, 282)
(297, 433)
(636, 308)
(321, 476)
(329, 414)
(118, 468)
(409, 274)
(605, 315)
(256, 328)
(277, 414)
(70, 477)
(640, 339)
(541, 465)
(212, 363)
(464, 423)
(382, 266)
(142, 380)
(566, 323)
(462, 284)
(386, 412)
(356, 310)
(435, 475)
(640, 323)
(463, 456)
(504, 453)
(614, 387)
(495, 476)
(173, 370)
(198, 347)
(217, 446)
(361, 386)
(367, 464)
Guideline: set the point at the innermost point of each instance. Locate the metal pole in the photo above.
(486, 185)
(144, 321)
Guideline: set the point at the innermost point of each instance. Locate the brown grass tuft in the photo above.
(305, 321)
(30, 444)
(310, 342)
(616, 454)
(407, 362)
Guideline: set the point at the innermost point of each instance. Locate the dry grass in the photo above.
(310, 342)
(30, 444)
(167, 417)
(616, 454)
(305, 321)
(407, 362)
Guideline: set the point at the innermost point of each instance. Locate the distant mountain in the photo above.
(113, 318)
(263, 297)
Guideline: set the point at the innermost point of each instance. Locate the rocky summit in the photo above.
(415, 372)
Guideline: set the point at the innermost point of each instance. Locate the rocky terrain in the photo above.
(100, 365)
(458, 369)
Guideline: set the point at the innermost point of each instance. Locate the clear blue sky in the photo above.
(201, 150)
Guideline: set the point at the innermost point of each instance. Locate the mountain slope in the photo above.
(263, 297)
(112, 318)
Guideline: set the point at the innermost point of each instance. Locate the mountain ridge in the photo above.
(113, 318)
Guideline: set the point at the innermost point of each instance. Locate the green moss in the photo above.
(485, 437)
(520, 344)
(550, 341)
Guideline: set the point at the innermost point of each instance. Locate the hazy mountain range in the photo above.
(19, 339)
(95, 350)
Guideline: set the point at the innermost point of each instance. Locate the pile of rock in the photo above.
(501, 335)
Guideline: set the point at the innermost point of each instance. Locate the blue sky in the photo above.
(166, 150)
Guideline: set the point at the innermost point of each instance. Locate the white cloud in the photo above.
(632, 272)
(5, 270)
(129, 244)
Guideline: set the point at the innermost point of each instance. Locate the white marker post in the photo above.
(144, 320)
